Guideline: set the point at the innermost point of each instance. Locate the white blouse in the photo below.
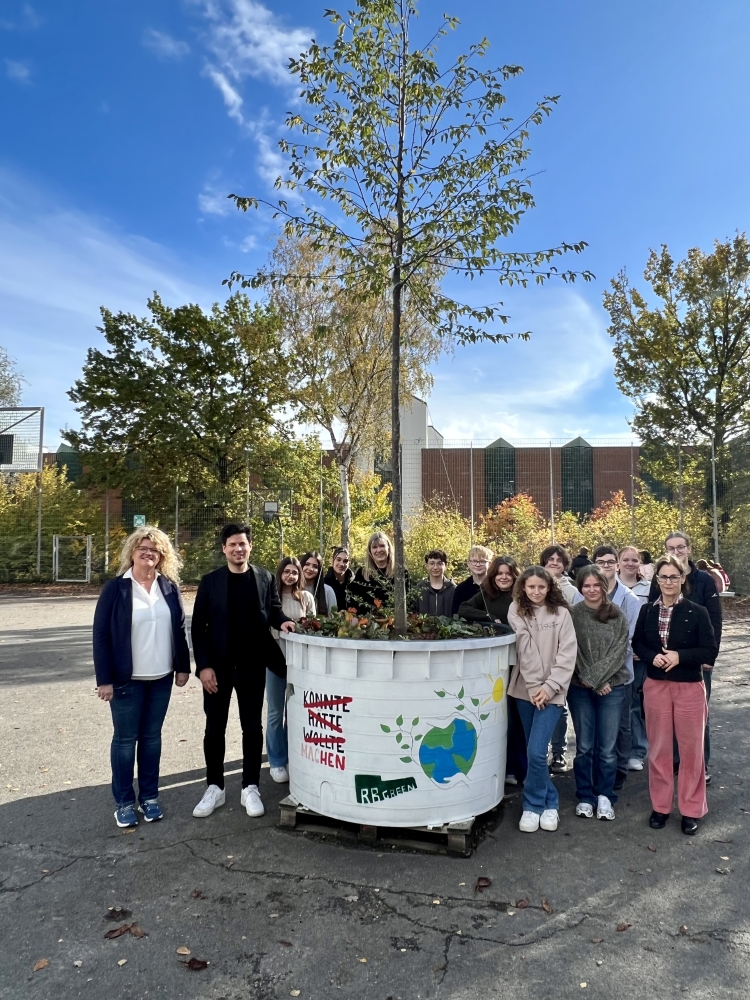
(150, 632)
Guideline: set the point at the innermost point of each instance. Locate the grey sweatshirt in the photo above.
(601, 649)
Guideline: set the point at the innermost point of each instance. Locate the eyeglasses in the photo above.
(676, 548)
(606, 562)
(151, 552)
(669, 579)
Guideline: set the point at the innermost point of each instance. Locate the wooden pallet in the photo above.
(451, 838)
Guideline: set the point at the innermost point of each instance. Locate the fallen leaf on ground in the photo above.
(650, 848)
(117, 932)
(351, 899)
(522, 904)
(78, 963)
(287, 944)
(596, 940)
(41, 964)
(584, 985)
(363, 961)
(482, 883)
(723, 857)
(117, 913)
(294, 993)
(196, 964)
(723, 841)
(197, 894)
(436, 902)
(546, 906)
(130, 829)
(723, 871)
(123, 961)
(182, 950)
(683, 929)
(623, 926)
(137, 932)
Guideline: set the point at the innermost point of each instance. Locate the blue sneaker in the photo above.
(151, 810)
(125, 816)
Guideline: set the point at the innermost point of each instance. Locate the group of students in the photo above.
(613, 649)
(629, 658)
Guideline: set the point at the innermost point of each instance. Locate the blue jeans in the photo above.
(596, 720)
(539, 792)
(138, 712)
(276, 732)
(638, 740)
(559, 739)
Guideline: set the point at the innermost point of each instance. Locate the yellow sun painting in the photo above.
(498, 688)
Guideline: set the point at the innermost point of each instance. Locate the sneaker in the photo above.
(549, 820)
(280, 775)
(213, 797)
(529, 822)
(151, 810)
(511, 779)
(253, 804)
(585, 809)
(708, 779)
(635, 764)
(604, 808)
(125, 816)
(559, 763)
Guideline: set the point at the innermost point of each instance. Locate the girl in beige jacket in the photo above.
(546, 650)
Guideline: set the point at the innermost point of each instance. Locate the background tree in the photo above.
(685, 362)
(10, 381)
(421, 170)
(341, 345)
(181, 396)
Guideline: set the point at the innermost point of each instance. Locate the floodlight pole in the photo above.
(40, 467)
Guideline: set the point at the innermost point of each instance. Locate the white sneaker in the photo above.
(280, 775)
(529, 822)
(213, 797)
(252, 802)
(585, 809)
(604, 808)
(549, 820)
(635, 764)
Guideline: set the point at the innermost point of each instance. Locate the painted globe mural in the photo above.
(445, 753)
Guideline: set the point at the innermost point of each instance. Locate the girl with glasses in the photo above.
(674, 637)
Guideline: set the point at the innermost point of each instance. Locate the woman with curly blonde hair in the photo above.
(139, 646)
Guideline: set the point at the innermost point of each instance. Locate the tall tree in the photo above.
(341, 345)
(423, 175)
(180, 396)
(685, 360)
(10, 380)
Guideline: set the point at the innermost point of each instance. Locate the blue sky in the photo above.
(125, 124)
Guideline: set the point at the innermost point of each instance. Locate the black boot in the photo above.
(689, 825)
(657, 820)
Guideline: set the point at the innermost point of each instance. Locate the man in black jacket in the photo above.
(234, 607)
(701, 590)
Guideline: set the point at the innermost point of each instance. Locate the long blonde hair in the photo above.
(370, 569)
(169, 564)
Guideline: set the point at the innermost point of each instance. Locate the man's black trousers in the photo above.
(249, 682)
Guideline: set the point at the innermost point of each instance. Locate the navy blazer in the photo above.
(701, 590)
(113, 657)
(690, 634)
(209, 622)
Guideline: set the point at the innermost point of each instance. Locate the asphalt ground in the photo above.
(276, 912)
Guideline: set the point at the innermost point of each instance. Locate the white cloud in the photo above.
(17, 71)
(163, 45)
(214, 201)
(246, 39)
(27, 20)
(57, 267)
(556, 385)
(232, 99)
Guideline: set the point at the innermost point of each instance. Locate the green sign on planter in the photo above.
(139, 520)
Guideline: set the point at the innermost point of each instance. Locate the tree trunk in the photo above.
(399, 581)
(346, 502)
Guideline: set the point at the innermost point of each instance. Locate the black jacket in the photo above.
(464, 592)
(436, 602)
(481, 608)
(690, 634)
(362, 594)
(702, 590)
(209, 625)
(339, 589)
(113, 618)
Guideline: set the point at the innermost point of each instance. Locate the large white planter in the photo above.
(397, 733)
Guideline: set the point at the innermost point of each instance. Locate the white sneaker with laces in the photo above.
(604, 808)
(253, 804)
(279, 774)
(635, 764)
(529, 822)
(213, 797)
(585, 809)
(549, 820)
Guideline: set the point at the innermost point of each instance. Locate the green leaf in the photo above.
(418, 737)
(475, 702)
(399, 737)
(440, 694)
(406, 760)
(415, 722)
(460, 693)
(483, 717)
(386, 729)
(459, 708)
(400, 720)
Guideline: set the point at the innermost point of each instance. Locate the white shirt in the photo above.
(150, 631)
